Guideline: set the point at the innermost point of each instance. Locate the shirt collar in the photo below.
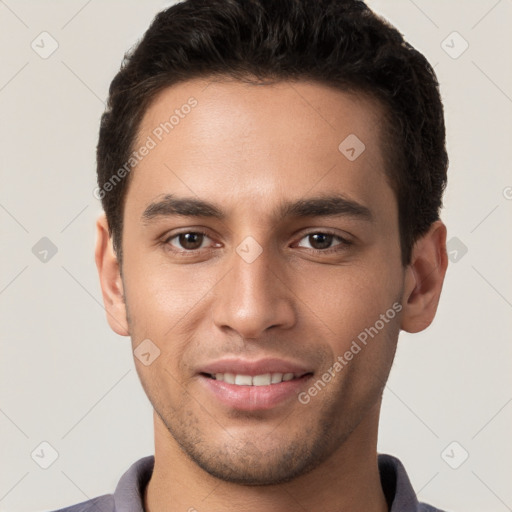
(129, 493)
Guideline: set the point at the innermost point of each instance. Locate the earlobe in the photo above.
(424, 279)
(110, 279)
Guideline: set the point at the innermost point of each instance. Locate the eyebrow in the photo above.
(322, 206)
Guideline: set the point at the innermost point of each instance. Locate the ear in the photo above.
(424, 279)
(110, 279)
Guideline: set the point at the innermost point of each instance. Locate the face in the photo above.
(255, 250)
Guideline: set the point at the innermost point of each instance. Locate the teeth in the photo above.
(228, 377)
(243, 380)
(256, 380)
(276, 377)
(261, 380)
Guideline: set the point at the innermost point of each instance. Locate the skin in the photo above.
(249, 148)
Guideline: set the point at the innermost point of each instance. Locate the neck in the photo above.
(348, 480)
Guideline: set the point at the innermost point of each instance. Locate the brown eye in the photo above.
(324, 242)
(190, 241)
(320, 240)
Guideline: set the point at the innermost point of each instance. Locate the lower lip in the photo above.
(253, 398)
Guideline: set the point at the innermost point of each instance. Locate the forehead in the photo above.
(251, 144)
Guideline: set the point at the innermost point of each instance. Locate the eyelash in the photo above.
(342, 245)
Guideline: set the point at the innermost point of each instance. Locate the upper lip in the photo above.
(252, 368)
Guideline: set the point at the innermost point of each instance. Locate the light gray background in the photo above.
(67, 379)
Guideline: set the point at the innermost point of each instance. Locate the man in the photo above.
(271, 174)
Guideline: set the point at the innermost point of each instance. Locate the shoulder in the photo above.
(423, 507)
(128, 494)
(397, 487)
(103, 503)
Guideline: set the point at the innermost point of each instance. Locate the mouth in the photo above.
(244, 385)
(264, 379)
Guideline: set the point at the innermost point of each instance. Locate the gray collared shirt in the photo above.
(128, 496)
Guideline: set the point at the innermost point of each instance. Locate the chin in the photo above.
(244, 470)
(252, 461)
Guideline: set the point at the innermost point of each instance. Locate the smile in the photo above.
(265, 379)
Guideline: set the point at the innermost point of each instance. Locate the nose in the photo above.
(254, 296)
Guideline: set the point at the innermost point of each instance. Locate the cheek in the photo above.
(166, 304)
(348, 298)
(163, 294)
